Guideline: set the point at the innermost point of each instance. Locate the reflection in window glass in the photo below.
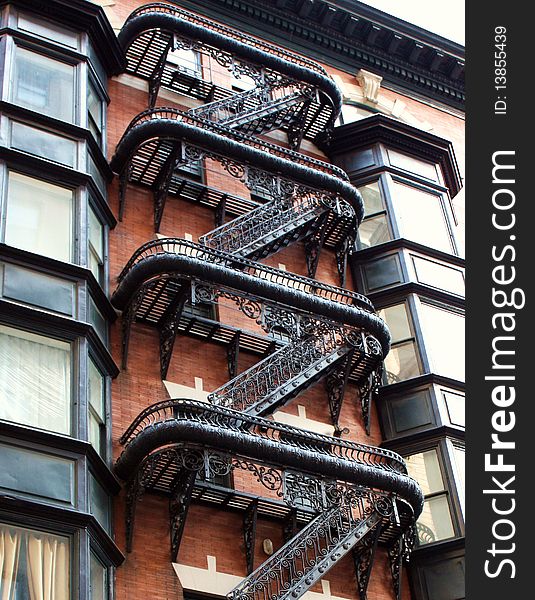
(382, 272)
(413, 165)
(443, 331)
(35, 564)
(43, 144)
(43, 84)
(95, 111)
(459, 461)
(96, 247)
(35, 380)
(39, 217)
(187, 61)
(374, 228)
(435, 522)
(397, 319)
(98, 580)
(420, 217)
(439, 276)
(97, 412)
(371, 195)
(402, 361)
(373, 231)
(455, 405)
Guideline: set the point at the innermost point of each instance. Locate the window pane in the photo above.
(97, 414)
(43, 84)
(37, 474)
(439, 276)
(187, 61)
(411, 411)
(420, 217)
(96, 390)
(397, 319)
(373, 231)
(37, 289)
(371, 194)
(94, 111)
(444, 332)
(98, 321)
(383, 272)
(455, 406)
(96, 246)
(35, 380)
(50, 31)
(99, 503)
(402, 363)
(27, 555)
(459, 460)
(43, 144)
(413, 165)
(435, 521)
(425, 468)
(97, 580)
(39, 217)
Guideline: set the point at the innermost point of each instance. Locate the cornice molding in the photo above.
(350, 35)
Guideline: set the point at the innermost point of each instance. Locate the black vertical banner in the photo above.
(500, 301)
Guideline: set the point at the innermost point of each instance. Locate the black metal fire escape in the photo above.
(355, 495)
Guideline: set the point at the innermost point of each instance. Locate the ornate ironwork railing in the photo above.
(190, 118)
(275, 376)
(241, 233)
(262, 97)
(245, 39)
(258, 427)
(282, 278)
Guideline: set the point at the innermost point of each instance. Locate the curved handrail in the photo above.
(171, 123)
(175, 20)
(264, 428)
(185, 420)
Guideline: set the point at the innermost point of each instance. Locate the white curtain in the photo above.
(47, 567)
(9, 560)
(35, 381)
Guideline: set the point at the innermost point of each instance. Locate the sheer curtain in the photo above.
(33, 564)
(34, 380)
(9, 560)
(48, 567)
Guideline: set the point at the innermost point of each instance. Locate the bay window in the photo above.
(39, 217)
(35, 380)
(35, 564)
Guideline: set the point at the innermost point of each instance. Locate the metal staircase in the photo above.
(307, 557)
(329, 331)
(278, 378)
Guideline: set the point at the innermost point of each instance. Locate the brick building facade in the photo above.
(218, 218)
